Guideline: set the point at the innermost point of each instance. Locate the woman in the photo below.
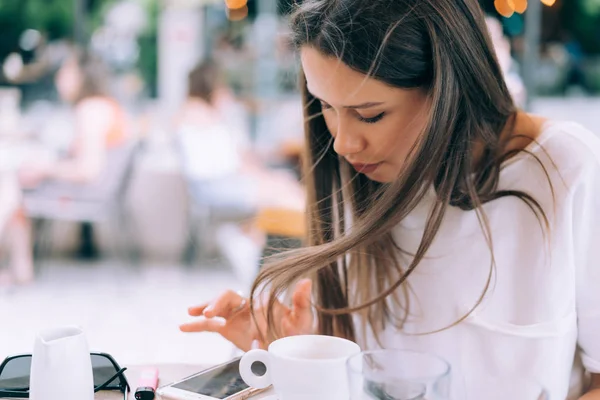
(223, 172)
(212, 139)
(99, 126)
(503, 50)
(442, 218)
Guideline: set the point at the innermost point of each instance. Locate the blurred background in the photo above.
(150, 154)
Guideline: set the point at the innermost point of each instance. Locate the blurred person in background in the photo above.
(508, 64)
(223, 172)
(15, 230)
(100, 126)
(211, 103)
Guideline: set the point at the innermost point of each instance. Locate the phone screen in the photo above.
(219, 383)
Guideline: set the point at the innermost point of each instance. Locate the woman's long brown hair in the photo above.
(94, 75)
(442, 47)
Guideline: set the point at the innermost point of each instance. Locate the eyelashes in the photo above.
(371, 120)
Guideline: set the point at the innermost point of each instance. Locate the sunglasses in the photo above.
(15, 373)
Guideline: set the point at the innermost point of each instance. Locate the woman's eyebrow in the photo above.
(362, 106)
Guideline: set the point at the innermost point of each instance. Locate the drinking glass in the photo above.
(391, 374)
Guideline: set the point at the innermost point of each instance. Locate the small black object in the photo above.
(144, 393)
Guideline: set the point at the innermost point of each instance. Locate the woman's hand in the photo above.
(593, 392)
(591, 395)
(229, 315)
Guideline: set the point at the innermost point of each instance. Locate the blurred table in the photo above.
(280, 221)
(15, 153)
(168, 373)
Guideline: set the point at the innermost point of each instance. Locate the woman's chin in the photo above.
(380, 177)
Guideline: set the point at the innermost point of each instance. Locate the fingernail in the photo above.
(210, 308)
(255, 345)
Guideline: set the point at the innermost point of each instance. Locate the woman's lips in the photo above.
(366, 168)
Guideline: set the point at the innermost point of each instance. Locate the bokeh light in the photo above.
(520, 6)
(507, 8)
(236, 4)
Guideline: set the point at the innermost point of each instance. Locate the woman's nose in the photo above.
(347, 143)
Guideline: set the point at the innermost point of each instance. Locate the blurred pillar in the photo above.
(213, 20)
(79, 23)
(180, 47)
(533, 27)
(207, 37)
(267, 6)
(266, 86)
(266, 30)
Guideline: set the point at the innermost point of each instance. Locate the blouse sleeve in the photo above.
(586, 230)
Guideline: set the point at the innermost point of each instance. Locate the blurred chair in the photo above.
(204, 211)
(224, 197)
(293, 152)
(200, 220)
(200, 212)
(101, 201)
(285, 229)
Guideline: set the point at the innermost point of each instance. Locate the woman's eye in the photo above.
(372, 120)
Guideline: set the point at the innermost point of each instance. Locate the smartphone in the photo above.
(222, 382)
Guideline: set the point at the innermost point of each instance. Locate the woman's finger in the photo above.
(226, 305)
(204, 325)
(197, 311)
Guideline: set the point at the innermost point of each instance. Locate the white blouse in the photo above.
(540, 318)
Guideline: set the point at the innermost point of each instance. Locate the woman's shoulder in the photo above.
(570, 139)
(566, 146)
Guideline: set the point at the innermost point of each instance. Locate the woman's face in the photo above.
(374, 126)
(68, 81)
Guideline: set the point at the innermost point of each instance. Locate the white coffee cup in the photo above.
(306, 367)
(61, 367)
